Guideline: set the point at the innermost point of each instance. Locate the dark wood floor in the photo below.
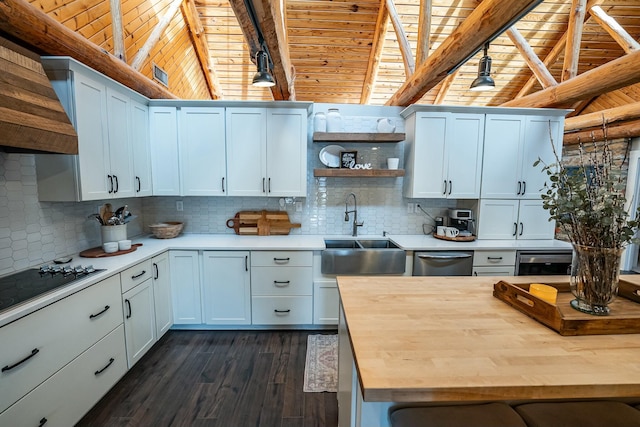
(218, 378)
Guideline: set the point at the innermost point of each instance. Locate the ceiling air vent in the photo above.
(160, 75)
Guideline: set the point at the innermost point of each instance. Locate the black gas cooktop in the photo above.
(26, 285)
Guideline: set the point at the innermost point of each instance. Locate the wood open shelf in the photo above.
(358, 173)
(357, 137)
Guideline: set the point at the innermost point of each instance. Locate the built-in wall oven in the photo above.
(542, 263)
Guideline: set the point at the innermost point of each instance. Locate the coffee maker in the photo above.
(462, 219)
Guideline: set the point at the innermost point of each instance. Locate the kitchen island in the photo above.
(425, 340)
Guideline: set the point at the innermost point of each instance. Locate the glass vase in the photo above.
(594, 278)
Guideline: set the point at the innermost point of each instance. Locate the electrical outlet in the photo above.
(298, 206)
(179, 206)
(410, 208)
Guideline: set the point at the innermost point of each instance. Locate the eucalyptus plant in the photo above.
(588, 202)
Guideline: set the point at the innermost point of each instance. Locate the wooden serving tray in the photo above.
(97, 252)
(457, 238)
(261, 223)
(562, 318)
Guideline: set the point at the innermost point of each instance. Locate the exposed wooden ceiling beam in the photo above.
(444, 88)
(403, 42)
(376, 53)
(538, 68)
(156, 34)
(199, 42)
(613, 75)
(424, 31)
(615, 30)
(574, 37)
(483, 22)
(623, 130)
(25, 22)
(612, 115)
(250, 35)
(117, 30)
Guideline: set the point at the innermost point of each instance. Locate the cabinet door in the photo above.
(93, 137)
(326, 302)
(120, 151)
(538, 145)
(162, 294)
(184, 270)
(464, 155)
(139, 321)
(533, 221)
(502, 156)
(163, 140)
(202, 151)
(246, 151)
(226, 288)
(425, 158)
(498, 219)
(141, 150)
(286, 152)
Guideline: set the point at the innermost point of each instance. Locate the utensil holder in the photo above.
(113, 233)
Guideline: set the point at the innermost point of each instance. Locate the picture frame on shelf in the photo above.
(348, 159)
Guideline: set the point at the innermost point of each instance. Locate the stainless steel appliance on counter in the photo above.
(462, 219)
(542, 263)
(443, 263)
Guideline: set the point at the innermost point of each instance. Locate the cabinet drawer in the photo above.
(281, 310)
(506, 270)
(281, 281)
(489, 258)
(51, 337)
(281, 258)
(63, 399)
(135, 275)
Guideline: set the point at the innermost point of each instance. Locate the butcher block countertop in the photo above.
(435, 339)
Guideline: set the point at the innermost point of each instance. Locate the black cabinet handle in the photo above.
(98, 372)
(519, 188)
(129, 307)
(43, 421)
(475, 273)
(155, 267)
(246, 263)
(282, 311)
(135, 276)
(281, 260)
(263, 188)
(117, 186)
(444, 192)
(515, 228)
(281, 284)
(92, 316)
(450, 187)
(139, 184)
(10, 367)
(497, 258)
(223, 184)
(110, 184)
(521, 229)
(524, 187)
(269, 186)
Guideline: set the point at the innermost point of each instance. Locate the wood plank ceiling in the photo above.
(330, 45)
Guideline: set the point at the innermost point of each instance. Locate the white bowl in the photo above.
(110, 247)
(124, 245)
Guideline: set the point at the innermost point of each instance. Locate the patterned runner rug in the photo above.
(321, 366)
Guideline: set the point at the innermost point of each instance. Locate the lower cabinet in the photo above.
(162, 294)
(494, 263)
(184, 269)
(282, 310)
(64, 398)
(226, 287)
(139, 320)
(326, 302)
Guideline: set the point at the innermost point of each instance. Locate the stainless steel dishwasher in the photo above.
(443, 263)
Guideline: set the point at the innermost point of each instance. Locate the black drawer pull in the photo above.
(10, 367)
(281, 259)
(281, 284)
(139, 184)
(128, 306)
(42, 422)
(282, 311)
(106, 307)
(135, 276)
(496, 258)
(105, 368)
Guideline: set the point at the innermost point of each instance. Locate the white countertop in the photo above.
(152, 247)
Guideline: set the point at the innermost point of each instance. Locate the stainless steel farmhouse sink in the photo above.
(362, 256)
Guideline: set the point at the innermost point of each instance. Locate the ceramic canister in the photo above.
(334, 120)
(319, 122)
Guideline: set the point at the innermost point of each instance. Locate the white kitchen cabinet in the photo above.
(163, 141)
(226, 288)
(184, 268)
(202, 151)
(139, 321)
(494, 263)
(512, 144)
(141, 149)
(514, 219)
(101, 112)
(162, 294)
(443, 155)
(326, 302)
(267, 151)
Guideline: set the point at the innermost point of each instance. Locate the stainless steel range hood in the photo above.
(32, 119)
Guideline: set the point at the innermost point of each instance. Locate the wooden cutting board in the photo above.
(98, 252)
(261, 223)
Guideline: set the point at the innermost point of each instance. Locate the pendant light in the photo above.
(263, 78)
(484, 80)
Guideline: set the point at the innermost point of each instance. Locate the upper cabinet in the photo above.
(104, 117)
(163, 131)
(443, 155)
(513, 143)
(140, 147)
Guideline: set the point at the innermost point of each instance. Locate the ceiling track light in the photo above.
(263, 78)
(483, 81)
